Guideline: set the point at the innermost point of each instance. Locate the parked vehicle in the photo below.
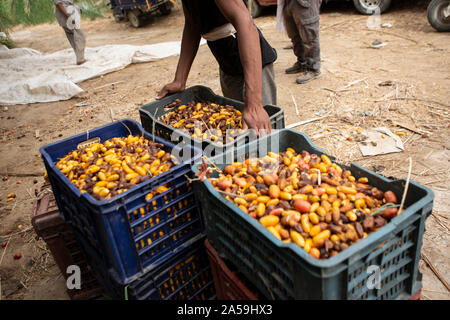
(438, 13)
(363, 6)
(135, 11)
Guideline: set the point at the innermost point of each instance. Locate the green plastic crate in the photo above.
(285, 271)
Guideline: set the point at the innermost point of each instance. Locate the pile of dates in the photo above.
(107, 169)
(206, 121)
(307, 199)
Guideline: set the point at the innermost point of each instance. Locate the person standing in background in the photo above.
(68, 16)
(301, 22)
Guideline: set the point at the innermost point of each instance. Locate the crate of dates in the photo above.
(128, 193)
(199, 117)
(299, 225)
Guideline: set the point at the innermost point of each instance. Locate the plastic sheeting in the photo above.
(28, 76)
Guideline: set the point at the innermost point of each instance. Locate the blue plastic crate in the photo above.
(285, 271)
(129, 233)
(184, 276)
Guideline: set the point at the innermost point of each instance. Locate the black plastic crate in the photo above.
(152, 112)
(285, 271)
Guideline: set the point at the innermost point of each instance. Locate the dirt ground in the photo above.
(415, 60)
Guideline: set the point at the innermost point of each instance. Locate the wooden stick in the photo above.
(297, 124)
(19, 232)
(396, 35)
(175, 4)
(406, 186)
(333, 25)
(435, 291)
(409, 128)
(436, 271)
(440, 222)
(4, 250)
(436, 181)
(295, 105)
(414, 99)
(215, 167)
(352, 83)
(229, 194)
(18, 174)
(108, 84)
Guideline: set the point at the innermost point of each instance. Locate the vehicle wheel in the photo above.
(134, 18)
(256, 9)
(165, 8)
(438, 13)
(370, 6)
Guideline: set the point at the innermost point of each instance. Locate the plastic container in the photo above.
(286, 271)
(184, 276)
(150, 113)
(129, 233)
(49, 226)
(229, 286)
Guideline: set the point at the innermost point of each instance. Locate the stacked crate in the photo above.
(177, 263)
(127, 238)
(59, 238)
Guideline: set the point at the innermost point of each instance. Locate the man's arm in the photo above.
(250, 53)
(189, 47)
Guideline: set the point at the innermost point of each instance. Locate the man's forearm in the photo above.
(249, 49)
(250, 54)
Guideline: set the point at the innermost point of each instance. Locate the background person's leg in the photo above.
(80, 45)
(310, 36)
(307, 20)
(232, 86)
(293, 34)
(70, 37)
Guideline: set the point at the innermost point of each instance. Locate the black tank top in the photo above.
(207, 15)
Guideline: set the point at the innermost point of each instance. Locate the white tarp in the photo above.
(28, 76)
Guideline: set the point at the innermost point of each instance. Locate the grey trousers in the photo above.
(301, 20)
(76, 37)
(78, 42)
(233, 87)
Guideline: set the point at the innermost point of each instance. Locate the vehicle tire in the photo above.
(256, 9)
(436, 15)
(369, 7)
(134, 18)
(165, 8)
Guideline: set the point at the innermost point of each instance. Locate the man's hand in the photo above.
(169, 88)
(257, 119)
